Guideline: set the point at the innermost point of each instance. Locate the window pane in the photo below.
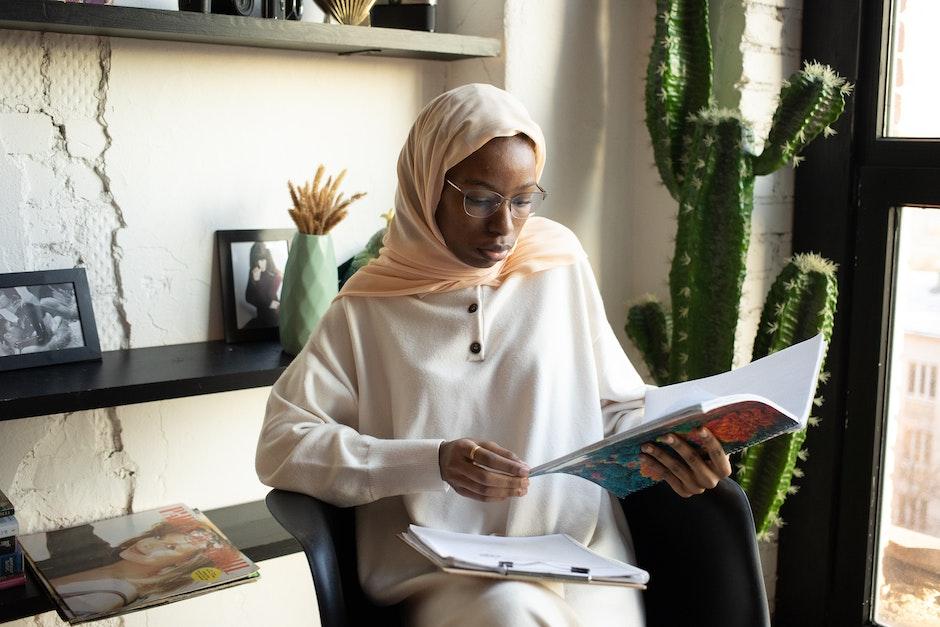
(907, 591)
(913, 88)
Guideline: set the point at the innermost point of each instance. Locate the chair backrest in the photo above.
(701, 553)
(328, 537)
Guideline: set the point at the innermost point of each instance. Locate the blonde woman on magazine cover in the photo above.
(476, 339)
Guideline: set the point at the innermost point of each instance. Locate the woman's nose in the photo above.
(500, 222)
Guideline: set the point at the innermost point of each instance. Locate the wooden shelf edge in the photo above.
(140, 375)
(191, 27)
(248, 525)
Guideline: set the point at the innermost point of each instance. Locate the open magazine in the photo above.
(556, 556)
(741, 408)
(131, 562)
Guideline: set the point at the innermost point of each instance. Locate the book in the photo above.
(123, 564)
(11, 564)
(743, 407)
(12, 581)
(7, 545)
(6, 507)
(556, 557)
(9, 526)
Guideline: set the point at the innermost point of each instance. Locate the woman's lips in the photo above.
(494, 253)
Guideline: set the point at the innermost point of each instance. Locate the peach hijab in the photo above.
(414, 258)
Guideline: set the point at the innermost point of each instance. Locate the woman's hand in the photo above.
(505, 474)
(692, 472)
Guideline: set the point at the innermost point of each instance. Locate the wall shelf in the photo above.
(140, 375)
(114, 21)
(249, 526)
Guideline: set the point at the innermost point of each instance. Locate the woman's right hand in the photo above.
(469, 479)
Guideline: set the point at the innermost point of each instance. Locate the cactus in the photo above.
(678, 82)
(706, 160)
(648, 327)
(801, 303)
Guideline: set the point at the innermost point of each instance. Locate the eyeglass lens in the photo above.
(483, 203)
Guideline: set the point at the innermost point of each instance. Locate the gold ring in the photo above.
(474, 450)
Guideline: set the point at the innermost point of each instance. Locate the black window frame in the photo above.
(846, 204)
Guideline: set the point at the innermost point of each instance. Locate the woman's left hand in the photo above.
(692, 472)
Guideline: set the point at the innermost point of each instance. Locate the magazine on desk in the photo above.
(119, 565)
(557, 557)
(743, 407)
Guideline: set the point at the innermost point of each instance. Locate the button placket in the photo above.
(476, 348)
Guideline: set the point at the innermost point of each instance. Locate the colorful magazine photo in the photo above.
(131, 562)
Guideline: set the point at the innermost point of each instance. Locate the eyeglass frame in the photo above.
(502, 201)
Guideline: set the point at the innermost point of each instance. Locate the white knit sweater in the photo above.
(358, 417)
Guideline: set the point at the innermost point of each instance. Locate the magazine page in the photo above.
(618, 467)
(122, 564)
(787, 378)
(556, 554)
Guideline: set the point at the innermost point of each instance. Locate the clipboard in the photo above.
(508, 570)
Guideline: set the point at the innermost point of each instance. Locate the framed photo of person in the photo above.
(251, 264)
(46, 318)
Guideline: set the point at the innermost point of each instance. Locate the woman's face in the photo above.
(505, 165)
(163, 551)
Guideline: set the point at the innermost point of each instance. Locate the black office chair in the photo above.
(701, 553)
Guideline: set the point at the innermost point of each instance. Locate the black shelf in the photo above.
(140, 375)
(249, 526)
(113, 21)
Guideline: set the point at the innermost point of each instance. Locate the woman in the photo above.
(261, 291)
(477, 337)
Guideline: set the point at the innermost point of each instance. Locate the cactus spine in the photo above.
(705, 159)
(801, 303)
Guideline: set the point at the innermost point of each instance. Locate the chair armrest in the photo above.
(312, 522)
(702, 556)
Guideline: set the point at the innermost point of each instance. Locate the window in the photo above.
(913, 90)
(866, 518)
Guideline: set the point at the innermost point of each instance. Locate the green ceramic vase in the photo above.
(310, 285)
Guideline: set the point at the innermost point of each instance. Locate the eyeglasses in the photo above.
(482, 203)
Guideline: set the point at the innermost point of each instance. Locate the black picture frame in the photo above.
(30, 326)
(234, 250)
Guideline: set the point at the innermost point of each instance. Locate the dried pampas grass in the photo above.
(351, 12)
(318, 209)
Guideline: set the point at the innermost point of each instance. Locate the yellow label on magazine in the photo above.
(206, 574)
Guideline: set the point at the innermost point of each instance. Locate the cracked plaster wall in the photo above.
(124, 157)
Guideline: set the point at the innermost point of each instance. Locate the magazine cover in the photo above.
(123, 564)
(617, 467)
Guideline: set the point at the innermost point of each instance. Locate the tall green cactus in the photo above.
(706, 160)
(801, 303)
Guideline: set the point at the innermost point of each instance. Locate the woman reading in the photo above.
(475, 344)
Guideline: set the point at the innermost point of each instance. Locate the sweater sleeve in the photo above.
(309, 441)
(621, 389)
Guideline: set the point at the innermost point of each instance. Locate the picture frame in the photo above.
(250, 300)
(46, 318)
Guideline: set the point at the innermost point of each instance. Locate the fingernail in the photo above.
(665, 438)
(647, 448)
(703, 432)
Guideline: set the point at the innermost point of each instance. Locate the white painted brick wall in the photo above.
(770, 51)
